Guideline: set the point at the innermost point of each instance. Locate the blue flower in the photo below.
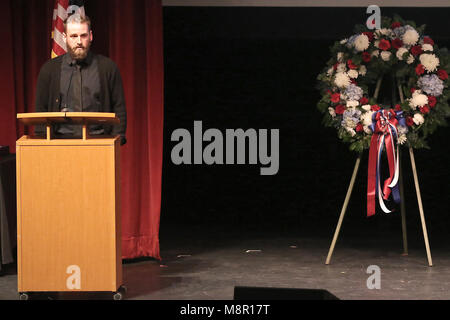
(351, 40)
(353, 92)
(431, 84)
(400, 31)
(350, 118)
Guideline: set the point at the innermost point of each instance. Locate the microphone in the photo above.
(66, 109)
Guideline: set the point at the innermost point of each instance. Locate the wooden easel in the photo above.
(402, 204)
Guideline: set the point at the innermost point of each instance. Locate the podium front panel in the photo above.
(68, 215)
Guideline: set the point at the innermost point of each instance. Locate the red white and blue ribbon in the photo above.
(385, 135)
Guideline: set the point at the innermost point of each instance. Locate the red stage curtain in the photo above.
(135, 43)
(130, 33)
(25, 30)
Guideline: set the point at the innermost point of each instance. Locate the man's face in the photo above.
(78, 40)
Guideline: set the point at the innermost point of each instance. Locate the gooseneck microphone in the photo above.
(66, 109)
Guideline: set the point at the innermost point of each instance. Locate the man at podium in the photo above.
(81, 81)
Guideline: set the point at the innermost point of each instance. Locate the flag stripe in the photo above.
(62, 11)
(59, 40)
(59, 15)
(58, 49)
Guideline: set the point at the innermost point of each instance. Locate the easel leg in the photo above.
(402, 193)
(344, 209)
(419, 201)
(402, 207)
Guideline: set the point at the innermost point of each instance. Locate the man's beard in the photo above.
(78, 55)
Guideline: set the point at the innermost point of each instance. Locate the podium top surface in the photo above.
(68, 117)
(27, 140)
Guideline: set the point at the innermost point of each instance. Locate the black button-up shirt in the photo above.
(71, 101)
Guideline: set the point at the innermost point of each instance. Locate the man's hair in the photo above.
(77, 18)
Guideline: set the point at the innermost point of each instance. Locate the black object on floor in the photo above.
(261, 293)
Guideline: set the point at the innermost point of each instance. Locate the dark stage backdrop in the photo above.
(130, 33)
(257, 68)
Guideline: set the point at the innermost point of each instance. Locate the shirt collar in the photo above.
(71, 62)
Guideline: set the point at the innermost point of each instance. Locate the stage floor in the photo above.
(208, 265)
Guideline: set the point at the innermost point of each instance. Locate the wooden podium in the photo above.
(68, 208)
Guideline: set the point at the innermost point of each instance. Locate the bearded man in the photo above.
(81, 81)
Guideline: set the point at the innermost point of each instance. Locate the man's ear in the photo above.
(91, 35)
(64, 36)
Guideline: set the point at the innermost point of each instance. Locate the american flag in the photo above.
(63, 9)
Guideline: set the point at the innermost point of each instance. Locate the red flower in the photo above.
(384, 44)
(369, 35)
(353, 81)
(375, 107)
(432, 101)
(363, 101)
(409, 121)
(340, 109)
(442, 74)
(335, 66)
(428, 40)
(366, 56)
(420, 69)
(416, 50)
(335, 97)
(351, 65)
(359, 127)
(412, 90)
(398, 107)
(395, 25)
(425, 109)
(397, 43)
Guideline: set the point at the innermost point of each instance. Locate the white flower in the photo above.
(410, 37)
(341, 67)
(375, 53)
(352, 103)
(367, 130)
(366, 107)
(402, 139)
(342, 80)
(418, 119)
(332, 112)
(410, 59)
(383, 32)
(376, 43)
(330, 72)
(361, 42)
(385, 55)
(427, 47)
(418, 100)
(400, 52)
(402, 129)
(343, 41)
(362, 70)
(429, 61)
(366, 118)
(340, 56)
(351, 131)
(353, 74)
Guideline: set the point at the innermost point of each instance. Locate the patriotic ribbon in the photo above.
(385, 135)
